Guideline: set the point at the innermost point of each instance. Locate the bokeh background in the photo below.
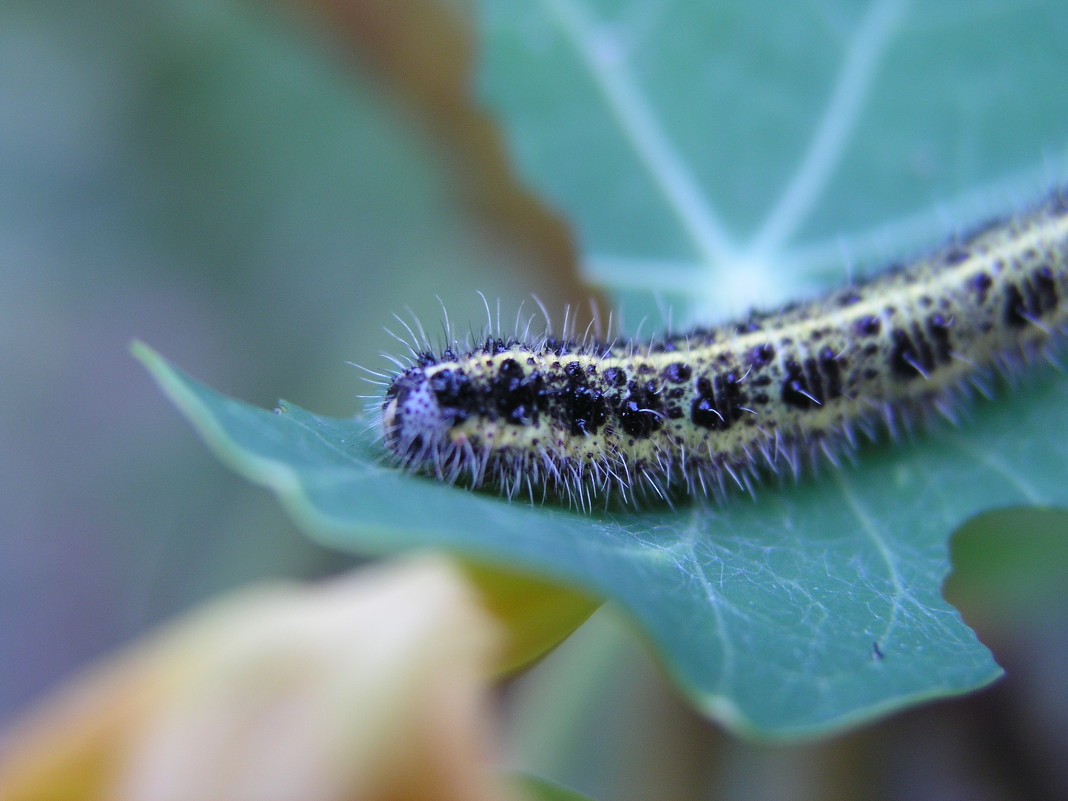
(253, 189)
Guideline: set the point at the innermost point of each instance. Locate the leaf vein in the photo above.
(639, 125)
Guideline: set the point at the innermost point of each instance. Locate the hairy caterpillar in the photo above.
(695, 412)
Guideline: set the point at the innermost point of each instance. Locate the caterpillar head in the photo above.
(421, 411)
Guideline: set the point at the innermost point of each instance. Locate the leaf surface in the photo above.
(814, 608)
(730, 154)
(719, 156)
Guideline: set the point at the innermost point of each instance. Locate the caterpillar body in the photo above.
(701, 411)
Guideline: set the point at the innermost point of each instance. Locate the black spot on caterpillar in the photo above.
(700, 411)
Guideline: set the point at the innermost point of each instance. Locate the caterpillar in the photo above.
(699, 412)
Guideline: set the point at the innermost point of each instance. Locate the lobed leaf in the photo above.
(722, 155)
(811, 609)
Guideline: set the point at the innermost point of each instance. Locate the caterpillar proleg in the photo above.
(700, 411)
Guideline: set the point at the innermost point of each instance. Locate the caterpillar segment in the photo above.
(699, 412)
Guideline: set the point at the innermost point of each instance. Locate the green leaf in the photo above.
(728, 154)
(812, 609)
(722, 155)
(725, 155)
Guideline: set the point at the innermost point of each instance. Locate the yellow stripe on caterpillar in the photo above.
(692, 412)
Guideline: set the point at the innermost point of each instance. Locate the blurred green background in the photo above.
(232, 185)
(253, 188)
